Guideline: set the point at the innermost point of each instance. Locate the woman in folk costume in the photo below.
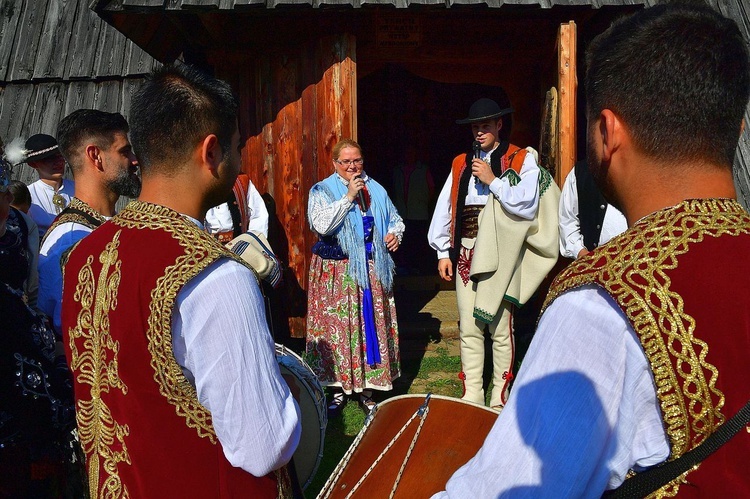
(352, 335)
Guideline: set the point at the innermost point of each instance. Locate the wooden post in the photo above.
(567, 85)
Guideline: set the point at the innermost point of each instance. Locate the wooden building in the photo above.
(392, 74)
(57, 56)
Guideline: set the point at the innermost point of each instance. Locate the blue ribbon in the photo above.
(372, 349)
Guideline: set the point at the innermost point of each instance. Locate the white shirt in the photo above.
(220, 338)
(42, 209)
(219, 218)
(571, 238)
(583, 410)
(325, 216)
(521, 200)
(58, 241)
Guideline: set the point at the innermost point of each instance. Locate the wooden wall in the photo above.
(296, 103)
(57, 56)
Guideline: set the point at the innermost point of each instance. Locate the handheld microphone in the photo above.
(361, 196)
(477, 146)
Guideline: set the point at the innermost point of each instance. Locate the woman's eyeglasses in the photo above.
(348, 162)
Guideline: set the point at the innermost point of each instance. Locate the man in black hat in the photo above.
(503, 183)
(51, 193)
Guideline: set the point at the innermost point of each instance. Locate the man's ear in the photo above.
(94, 156)
(610, 130)
(211, 153)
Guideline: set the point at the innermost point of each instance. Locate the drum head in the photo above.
(452, 433)
(313, 414)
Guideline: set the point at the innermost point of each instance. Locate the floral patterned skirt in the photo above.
(335, 329)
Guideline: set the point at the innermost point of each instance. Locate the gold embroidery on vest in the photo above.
(638, 259)
(96, 364)
(77, 218)
(200, 251)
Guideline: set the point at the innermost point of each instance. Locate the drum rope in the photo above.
(423, 417)
(422, 413)
(325, 492)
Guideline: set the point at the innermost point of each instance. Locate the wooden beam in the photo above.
(567, 85)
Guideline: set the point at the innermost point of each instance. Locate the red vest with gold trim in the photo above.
(140, 423)
(681, 277)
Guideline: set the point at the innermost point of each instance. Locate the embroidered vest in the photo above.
(680, 277)
(76, 212)
(140, 423)
(503, 157)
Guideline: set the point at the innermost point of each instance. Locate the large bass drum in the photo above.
(312, 404)
(409, 447)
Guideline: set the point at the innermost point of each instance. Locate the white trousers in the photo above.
(472, 343)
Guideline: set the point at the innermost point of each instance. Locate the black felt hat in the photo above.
(41, 146)
(484, 109)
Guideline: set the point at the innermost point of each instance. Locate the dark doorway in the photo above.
(407, 129)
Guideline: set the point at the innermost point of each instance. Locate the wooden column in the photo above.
(567, 85)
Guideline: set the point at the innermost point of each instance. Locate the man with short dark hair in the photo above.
(178, 391)
(637, 359)
(96, 146)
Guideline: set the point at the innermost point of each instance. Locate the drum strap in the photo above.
(643, 484)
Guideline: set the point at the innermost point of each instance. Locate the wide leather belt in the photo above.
(469, 220)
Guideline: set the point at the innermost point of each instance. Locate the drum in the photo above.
(312, 404)
(409, 447)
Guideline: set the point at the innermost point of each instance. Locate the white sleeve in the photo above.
(221, 338)
(571, 239)
(326, 217)
(583, 410)
(438, 234)
(257, 212)
(522, 199)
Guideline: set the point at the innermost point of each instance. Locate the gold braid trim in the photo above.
(633, 268)
(200, 251)
(70, 216)
(97, 365)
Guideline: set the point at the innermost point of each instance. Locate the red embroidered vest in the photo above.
(141, 426)
(681, 277)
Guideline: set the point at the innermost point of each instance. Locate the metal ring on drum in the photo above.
(396, 454)
(312, 405)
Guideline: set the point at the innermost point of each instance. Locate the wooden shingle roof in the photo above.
(57, 56)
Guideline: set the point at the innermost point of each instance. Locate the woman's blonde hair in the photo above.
(342, 144)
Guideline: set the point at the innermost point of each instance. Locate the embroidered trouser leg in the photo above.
(471, 331)
(503, 354)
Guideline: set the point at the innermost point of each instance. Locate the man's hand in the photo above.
(445, 269)
(391, 242)
(482, 171)
(583, 252)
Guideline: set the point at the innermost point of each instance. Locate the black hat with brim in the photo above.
(41, 146)
(483, 110)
